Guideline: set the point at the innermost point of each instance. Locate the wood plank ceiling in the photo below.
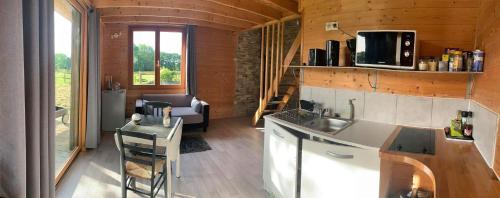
(234, 15)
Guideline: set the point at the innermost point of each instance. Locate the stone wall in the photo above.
(248, 67)
(247, 72)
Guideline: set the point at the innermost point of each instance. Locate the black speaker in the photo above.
(332, 53)
(317, 57)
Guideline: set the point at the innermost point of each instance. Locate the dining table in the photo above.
(150, 124)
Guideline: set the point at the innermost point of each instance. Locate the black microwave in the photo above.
(394, 49)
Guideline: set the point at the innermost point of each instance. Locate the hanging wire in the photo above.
(340, 29)
(373, 86)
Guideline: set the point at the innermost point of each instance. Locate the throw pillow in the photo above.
(196, 105)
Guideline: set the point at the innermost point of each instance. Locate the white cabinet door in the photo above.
(280, 161)
(330, 170)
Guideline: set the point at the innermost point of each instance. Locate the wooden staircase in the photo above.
(273, 68)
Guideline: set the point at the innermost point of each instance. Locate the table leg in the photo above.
(165, 185)
(178, 165)
(168, 185)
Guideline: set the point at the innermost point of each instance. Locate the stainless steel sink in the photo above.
(328, 125)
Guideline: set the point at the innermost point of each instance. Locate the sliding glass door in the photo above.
(68, 66)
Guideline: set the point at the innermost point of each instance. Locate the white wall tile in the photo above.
(445, 109)
(305, 93)
(342, 107)
(380, 107)
(484, 132)
(414, 111)
(324, 96)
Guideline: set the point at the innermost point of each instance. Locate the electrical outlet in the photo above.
(331, 26)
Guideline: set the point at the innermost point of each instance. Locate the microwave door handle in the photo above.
(398, 49)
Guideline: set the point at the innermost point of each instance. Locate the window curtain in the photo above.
(27, 107)
(191, 61)
(93, 137)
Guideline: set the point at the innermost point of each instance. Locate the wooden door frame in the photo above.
(82, 105)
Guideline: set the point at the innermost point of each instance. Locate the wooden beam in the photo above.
(252, 7)
(277, 72)
(87, 3)
(293, 49)
(262, 38)
(63, 8)
(266, 80)
(168, 12)
(286, 5)
(282, 72)
(272, 56)
(284, 19)
(167, 20)
(193, 5)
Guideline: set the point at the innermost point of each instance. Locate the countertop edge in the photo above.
(322, 134)
(434, 166)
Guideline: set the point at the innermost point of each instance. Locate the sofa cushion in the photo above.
(188, 115)
(177, 100)
(196, 105)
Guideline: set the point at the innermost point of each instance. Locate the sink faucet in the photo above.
(351, 104)
(320, 110)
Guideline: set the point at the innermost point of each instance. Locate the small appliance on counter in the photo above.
(395, 49)
(317, 57)
(332, 53)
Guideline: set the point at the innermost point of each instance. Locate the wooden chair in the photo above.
(155, 108)
(140, 161)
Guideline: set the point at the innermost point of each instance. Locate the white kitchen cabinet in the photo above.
(334, 170)
(280, 161)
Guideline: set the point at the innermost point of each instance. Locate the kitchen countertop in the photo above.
(363, 134)
(455, 170)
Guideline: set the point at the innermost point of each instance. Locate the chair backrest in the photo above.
(155, 108)
(174, 143)
(137, 150)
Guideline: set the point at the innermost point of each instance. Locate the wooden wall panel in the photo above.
(346, 79)
(422, 84)
(419, 84)
(439, 24)
(215, 53)
(487, 89)
(216, 70)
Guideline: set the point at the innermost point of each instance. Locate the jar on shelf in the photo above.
(457, 61)
(433, 64)
(423, 65)
(443, 66)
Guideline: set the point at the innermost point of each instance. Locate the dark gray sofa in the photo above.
(181, 107)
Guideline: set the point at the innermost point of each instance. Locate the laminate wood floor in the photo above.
(233, 168)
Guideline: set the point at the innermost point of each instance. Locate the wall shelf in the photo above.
(383, 69)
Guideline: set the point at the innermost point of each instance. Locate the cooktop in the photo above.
(414, 140)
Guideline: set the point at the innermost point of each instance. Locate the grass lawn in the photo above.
(148, 78)
(63, 89)
(144, 78)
